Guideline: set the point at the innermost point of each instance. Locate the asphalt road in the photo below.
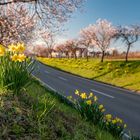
(117, 101)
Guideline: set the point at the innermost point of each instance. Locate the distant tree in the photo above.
(37, 50)
(72, 47)
(49, 39)
(61, 49)
(85, 40)
(100, 34)
(115, 52)
(129, 35)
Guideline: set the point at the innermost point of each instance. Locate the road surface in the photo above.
(117, 101)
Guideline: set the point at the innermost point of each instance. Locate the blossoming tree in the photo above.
(49, 12)
(85, 40)
(72, 46)
(16, 25)
(49, 39)
(99, 35)
(63, 48)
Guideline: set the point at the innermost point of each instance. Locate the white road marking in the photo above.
(47, 72)
(102, 93)
(98, 82)
(62, 78)
(45, 84)
(49, 87)
(127, 136)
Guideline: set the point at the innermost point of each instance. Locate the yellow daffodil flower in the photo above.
(114, 121)
(83, 95)
(103, 110)
(21, 57)
(14, 58)
(89, 102)
(2, 50)
(95, 98)
(119, 120)
(101, 107)
(12, 48)
(69, 97)
(90, 95)
(77, 92)
(20, 47)
(108, 117)
(125, 125)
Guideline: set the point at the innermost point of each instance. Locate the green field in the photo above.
(38, 114)
(116, 72)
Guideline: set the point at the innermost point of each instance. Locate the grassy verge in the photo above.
(119, 73)
(38, 114)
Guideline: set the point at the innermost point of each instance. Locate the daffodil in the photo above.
(83, 95)
(69, 97)
(2, 50)
(12, 48)
(103, 110)
(20, 47)
(21, 57)
(14, 58)
(90, 95)
(77, 92)
(101, 107)
(108, 117)
(114, 121)
(119, 120)
(89, 102)
(95, 98)
(125, 125)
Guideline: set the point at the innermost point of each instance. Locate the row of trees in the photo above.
(20, 19)
(100, 35)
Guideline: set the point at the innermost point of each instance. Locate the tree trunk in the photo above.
(87, 57)
(103, 54)
(75, 55)
(80, 53)
(128, 48)
(50, 55)
(68, 55)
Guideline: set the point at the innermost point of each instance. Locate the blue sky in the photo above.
(119, 12)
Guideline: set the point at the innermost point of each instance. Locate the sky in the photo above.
(119, 12)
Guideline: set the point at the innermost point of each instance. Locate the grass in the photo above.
(115, 72)
(39, 114)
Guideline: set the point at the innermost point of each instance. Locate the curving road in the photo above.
(117, 101)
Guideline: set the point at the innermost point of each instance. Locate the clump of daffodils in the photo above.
(90, 109)
(19, 47)
(17, 52)
(14, 67)
(18, 57)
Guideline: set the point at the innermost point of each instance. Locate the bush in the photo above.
(15, 67)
